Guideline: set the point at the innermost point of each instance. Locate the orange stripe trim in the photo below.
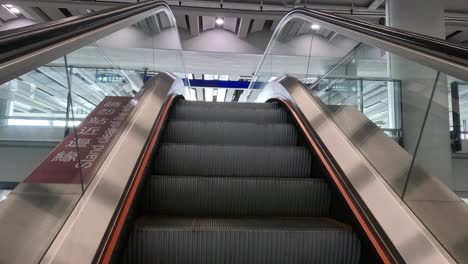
(115, 233)
(109, 248)
(356, 211)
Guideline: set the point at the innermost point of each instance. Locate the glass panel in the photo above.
(458, 107)
(399, 98)
(86, 96)
(32, 108)
(34, 114)
(117, 66)
(348, 77)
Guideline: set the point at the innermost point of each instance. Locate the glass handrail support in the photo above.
(53, 76)
(407, 93)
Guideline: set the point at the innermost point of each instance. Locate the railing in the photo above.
(308, 44)
(59, 72)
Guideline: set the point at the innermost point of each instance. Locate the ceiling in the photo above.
(194, 18)
(242, 16)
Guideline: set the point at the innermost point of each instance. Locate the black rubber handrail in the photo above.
(14, 43)
(425, 44)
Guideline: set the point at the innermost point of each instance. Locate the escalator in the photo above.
(281, 178)
(236, 183)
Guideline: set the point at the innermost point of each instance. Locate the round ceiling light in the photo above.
(219, 21)
(14, 10)
(315, 26)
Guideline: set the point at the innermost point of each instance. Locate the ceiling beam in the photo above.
(238, 10)
(181, 22)
(243, 28)
(275, 24)
(200, 94)
(375, 4)
(53, 12)
(305, 28)
(458, 36)
(230, 24)
(453, 34)
(294, 29)
(211, 8)
(165, 21)
(96, 5)
(257, 25)
(229, 95)
(255, 6)
(153, 24)
(228, 7)
(194, 25)
(74, 11)
(34, 13)
(217, 12)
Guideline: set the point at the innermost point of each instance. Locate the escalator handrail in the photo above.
(30, 38)
(16, 44)
(410, 39)
(433, 52)
(363, 187)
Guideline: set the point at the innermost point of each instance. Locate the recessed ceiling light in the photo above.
(14, 10)
(315, 26)
(9, 5)
(219, 21)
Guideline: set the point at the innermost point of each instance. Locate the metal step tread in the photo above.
(233, 160)
(242, 240)
(236, 196)
(235, 105)
(243, 112)
(238, 133)
(301, 224)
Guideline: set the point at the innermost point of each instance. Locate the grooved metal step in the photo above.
(224, 105)
(239, 112)
(229, 160)
(264, 240)
(227, 196)
(231, 185)
(230, 133)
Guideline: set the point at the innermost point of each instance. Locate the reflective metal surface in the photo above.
(23, 240)
(412, 240)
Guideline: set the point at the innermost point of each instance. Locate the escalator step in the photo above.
(230, 133)
(217, 240)
(227, 196)
(230, 160)
(224, 105)
(257, 113)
